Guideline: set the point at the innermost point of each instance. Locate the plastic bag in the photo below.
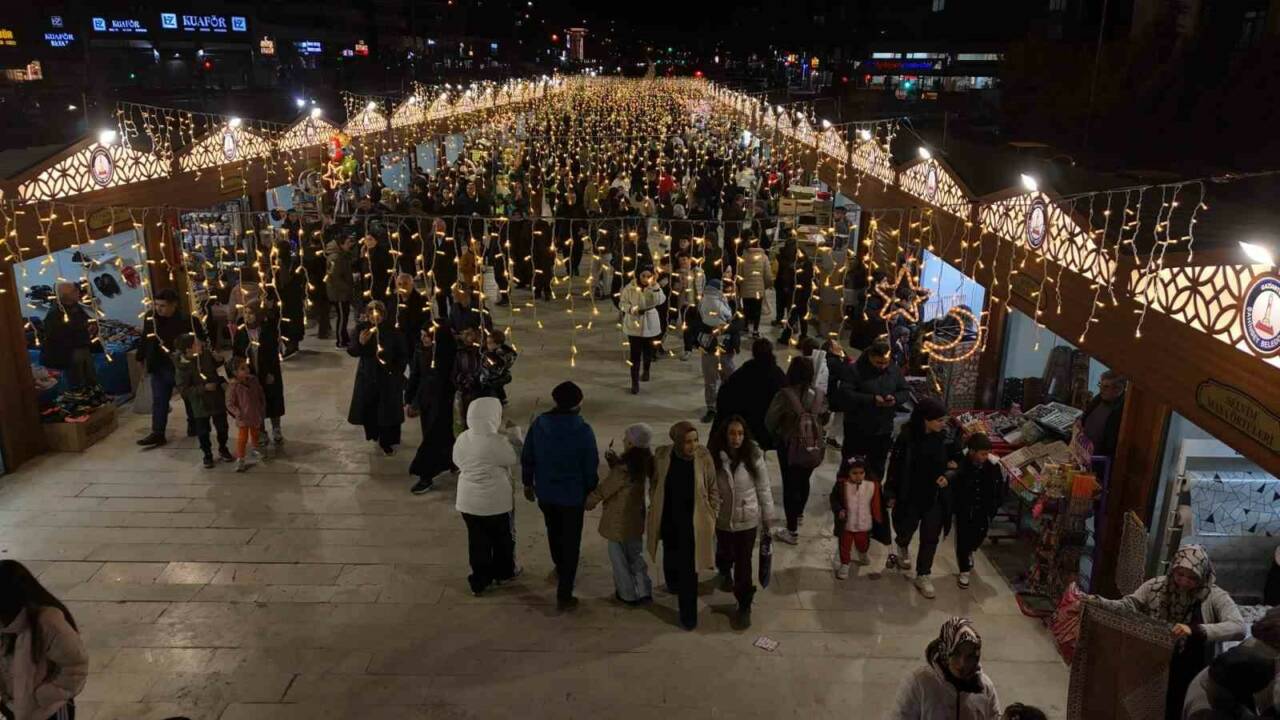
(142, 395)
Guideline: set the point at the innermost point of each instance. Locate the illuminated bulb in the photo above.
(924, 153)
(826, 124)
(1029, 183)
(1258, 254)
(316, 113)
(235, 122)
(864, 134)
(299, 102)
(107, 137)
(371, 105)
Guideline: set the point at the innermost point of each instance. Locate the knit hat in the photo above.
(567, 395)
(639, 435)
(931, 409)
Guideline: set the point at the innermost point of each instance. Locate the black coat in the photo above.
(410, 313)
(291, 286)
(1111, 434)
(854, 392)
(65, 329)
(748, 392)
(977, 492)
(379, 386)
(158, 336)
(378, 267)
(915, 464)
(265, 359)
(430, 391)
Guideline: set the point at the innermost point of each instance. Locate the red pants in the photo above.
(849, 539)
(246, 434)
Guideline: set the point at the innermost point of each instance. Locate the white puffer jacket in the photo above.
(926, 695)
(745, 497)
(639, 310)
(484, 457)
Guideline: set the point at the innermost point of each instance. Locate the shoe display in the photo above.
(925, 586)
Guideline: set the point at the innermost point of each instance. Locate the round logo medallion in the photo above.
(1260, 315)
(101, 167)
(931, 184)
(229, 148)
(1037, 224)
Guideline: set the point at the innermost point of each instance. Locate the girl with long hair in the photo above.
(43, 663)
(746, 509)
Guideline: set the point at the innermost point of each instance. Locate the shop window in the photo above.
(979, 57)
(884, 56)
(926, 56)
(939, 5)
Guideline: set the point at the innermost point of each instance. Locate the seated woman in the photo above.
(1201, 613)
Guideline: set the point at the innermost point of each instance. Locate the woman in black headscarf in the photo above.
(429, 397)
(378, 392)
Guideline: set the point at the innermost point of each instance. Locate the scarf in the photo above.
(954, 632)
(1173, 605)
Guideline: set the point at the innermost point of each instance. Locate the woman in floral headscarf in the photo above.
(1201, 613)
(951, 684)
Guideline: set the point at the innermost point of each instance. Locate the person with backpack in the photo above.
(796, 420)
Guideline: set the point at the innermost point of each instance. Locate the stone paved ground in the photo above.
(316, 586)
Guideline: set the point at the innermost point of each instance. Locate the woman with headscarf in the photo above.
(951, 684)
(429, 397)
(684, 504)
(1201, 614)
(377, 394)
(918, 491)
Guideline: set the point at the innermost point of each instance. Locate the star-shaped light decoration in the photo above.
(902, 301)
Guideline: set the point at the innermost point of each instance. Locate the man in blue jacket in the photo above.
(560, 464)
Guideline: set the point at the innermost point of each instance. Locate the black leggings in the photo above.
(641, 351)
(344, 319)
(795, 490)
(752, 307)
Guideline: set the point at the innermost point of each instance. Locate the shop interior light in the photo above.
(1258, 254)
(1029, 183)
(316, 113)
(107, 137)
(924, 153)
(235, 122)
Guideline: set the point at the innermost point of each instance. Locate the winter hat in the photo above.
(930, 409)
(567, 395)
(977, 442)
(714, 284)
(639, 435)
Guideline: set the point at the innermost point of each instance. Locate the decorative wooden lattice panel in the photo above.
(96, 167)
(224, 146)
(870, 158)
(1040, 225)
(411, 112)
(929, 181)
(832, 144)
(369, 120)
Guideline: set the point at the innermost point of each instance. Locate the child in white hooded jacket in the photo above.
(484, 456)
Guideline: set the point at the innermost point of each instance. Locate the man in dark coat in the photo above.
(290, 282)
(160, 330)
(258, 340)
(1101, 419)
(429, 397)
(68, 338)
(868, 393)
(378, 394)
(750, 390)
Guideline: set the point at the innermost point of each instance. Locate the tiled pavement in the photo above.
(316, 586)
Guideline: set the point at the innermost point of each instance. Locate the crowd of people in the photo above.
(670, 214)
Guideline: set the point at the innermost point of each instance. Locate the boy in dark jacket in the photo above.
(977, 492)
(495, 366)
(198, 381)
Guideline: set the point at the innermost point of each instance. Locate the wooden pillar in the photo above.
(991, 361)
(1135, 473)
(21, 436)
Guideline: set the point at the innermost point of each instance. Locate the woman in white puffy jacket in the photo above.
(484, 456)
(951, 684)
(639, 303)
(746, 509)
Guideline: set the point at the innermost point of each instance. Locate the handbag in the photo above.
(766, 559)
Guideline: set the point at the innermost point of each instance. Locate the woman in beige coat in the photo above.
(684, 504)
(623, 518)
(755, 275)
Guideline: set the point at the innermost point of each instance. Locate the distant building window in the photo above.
(926, 56)
(979, 57)
(1057, 4)
(884, 56)
(939, 5)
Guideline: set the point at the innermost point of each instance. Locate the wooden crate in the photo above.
(77, 437)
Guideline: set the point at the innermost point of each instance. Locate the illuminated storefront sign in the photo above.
(6, 38)
(361, 49)
(59, 39)
(267, 46)
(204, 23)
(308, 47)
(118, 25)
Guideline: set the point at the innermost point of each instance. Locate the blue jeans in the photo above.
(630, 573)
(162, 381)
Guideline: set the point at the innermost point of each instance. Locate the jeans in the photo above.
(205, 426)
(491, 549)
(715, 370)
(630, 573)
(564, 536)
(161, 392)
(905, 521)
(734, 549)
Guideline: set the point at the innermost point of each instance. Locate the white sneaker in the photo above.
(904, 558)
(925, 586)
(842, 572)
(241, 466)
(787, 536)
(684, 355)
(861, 558)
(256, 456)
(963, 580)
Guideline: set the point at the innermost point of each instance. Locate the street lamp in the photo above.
(1029, 183)
(1258, 254)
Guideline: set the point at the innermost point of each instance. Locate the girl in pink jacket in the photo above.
(247, 403)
